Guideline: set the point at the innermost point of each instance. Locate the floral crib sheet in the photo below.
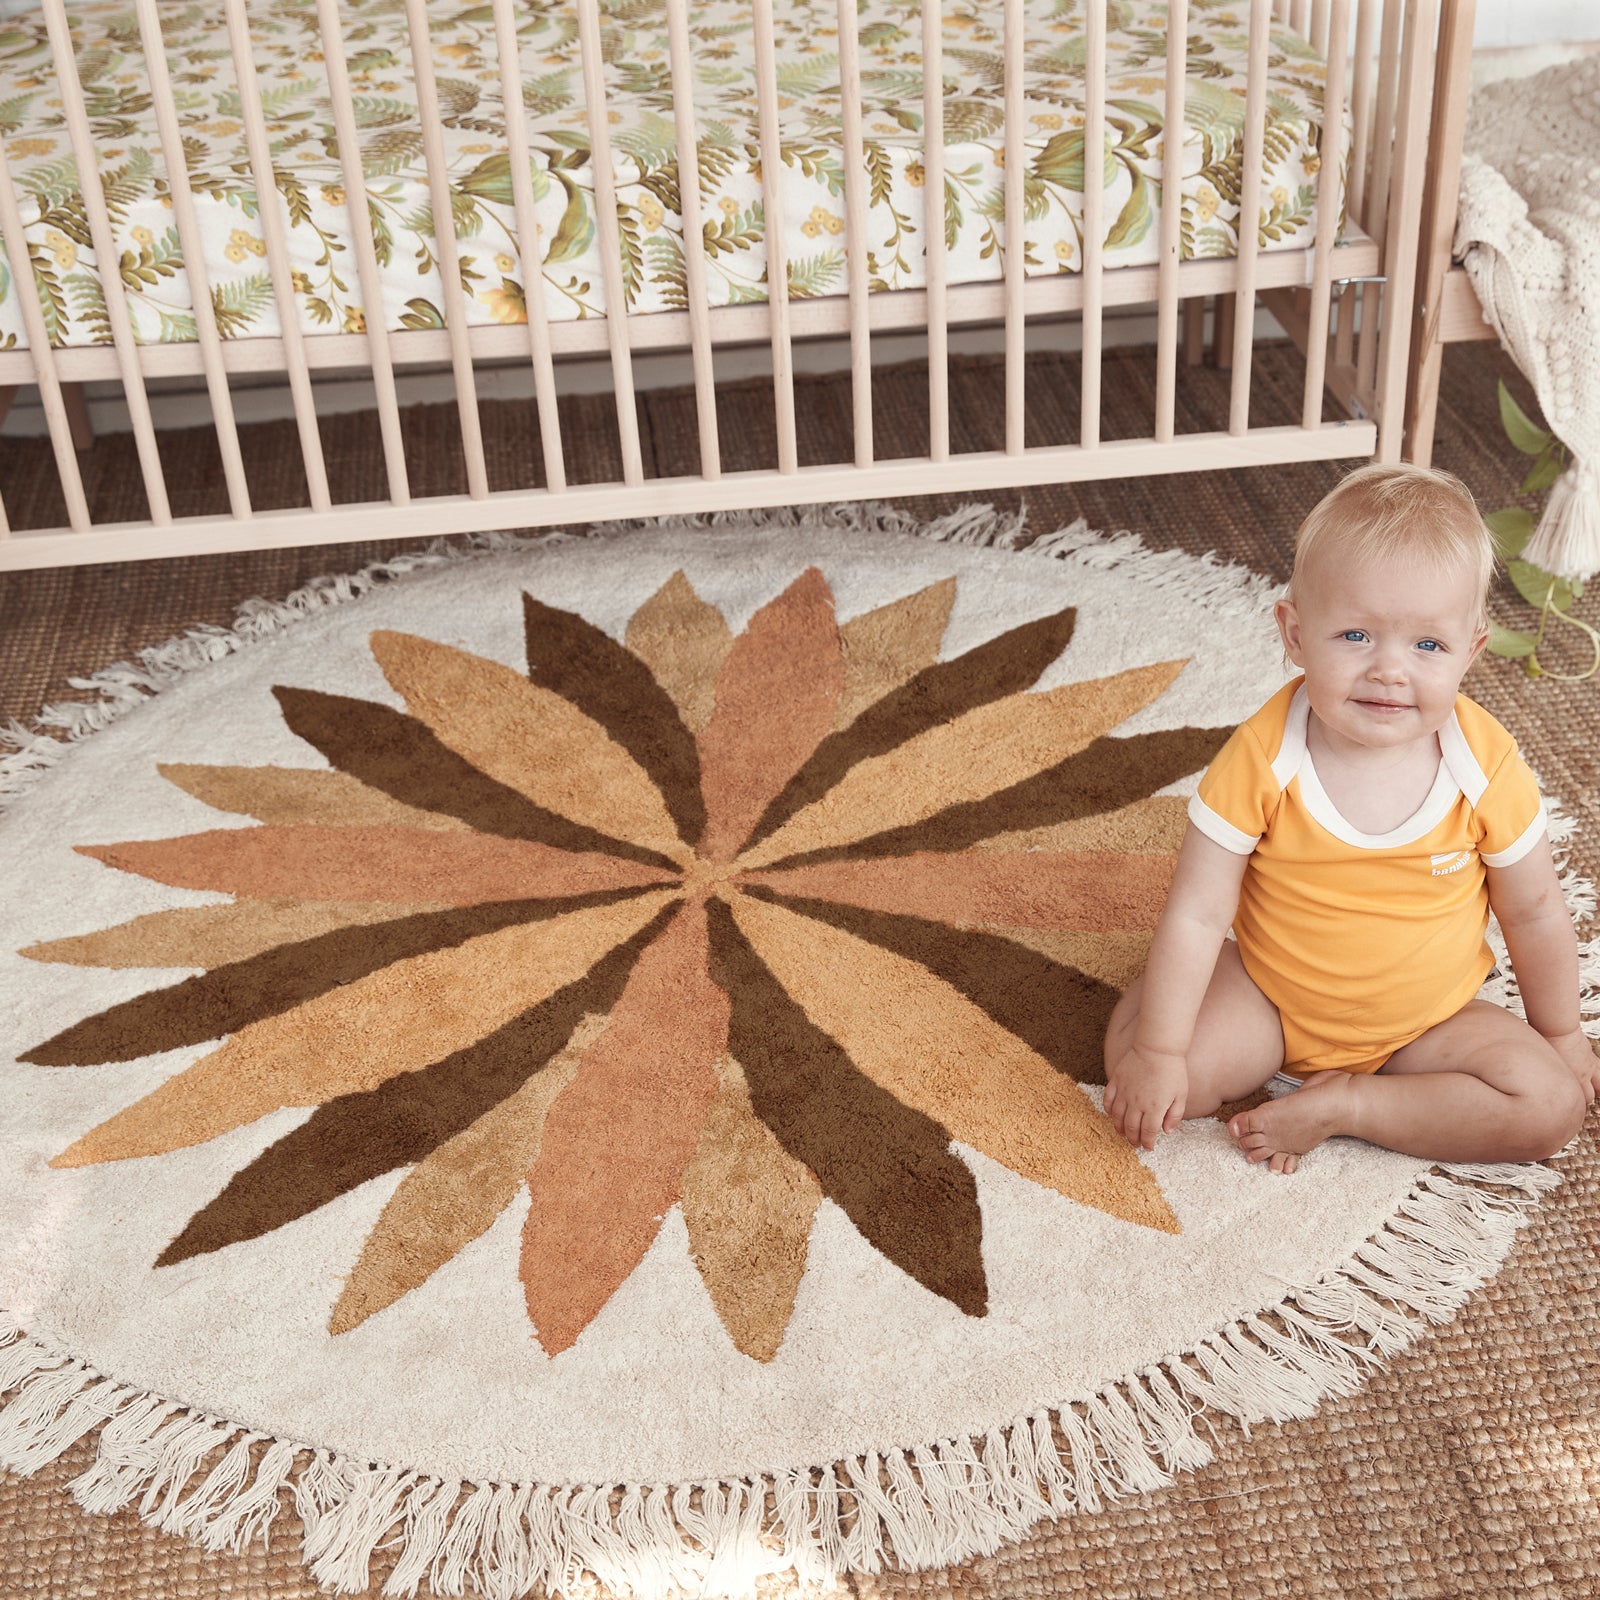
(310, 185)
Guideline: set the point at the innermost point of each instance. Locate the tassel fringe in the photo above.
(925, 1505)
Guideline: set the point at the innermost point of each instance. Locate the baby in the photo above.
(1353, 835)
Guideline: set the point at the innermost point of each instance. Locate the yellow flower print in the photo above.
(142, 236)
(504, 262)
(1047, 119)
(506, 304)
(234, 252)
(728, 206)
(650, 210)
(915, 175)
(355, 320)
(477, 149)
(333, 193)
(243, 241)
(61, 247)
(225, 129)
(300, 283)
(1313, 164)
(1279, 195)
(18, 148)
(1064, 251)
(1205, 202)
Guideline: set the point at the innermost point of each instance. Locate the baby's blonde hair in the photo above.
(1401, 510)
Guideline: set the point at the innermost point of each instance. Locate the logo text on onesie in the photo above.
(1450, 861)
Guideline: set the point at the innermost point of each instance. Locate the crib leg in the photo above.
(1194, 330)
(6, 397)
(77, 406)
(1222, 331)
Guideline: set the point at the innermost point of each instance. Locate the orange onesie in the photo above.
(1364, 941)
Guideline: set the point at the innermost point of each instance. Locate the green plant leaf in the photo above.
(1537, 586)
(1523, 432)
(1510, 641)
(1545, 471)
(1511, 528)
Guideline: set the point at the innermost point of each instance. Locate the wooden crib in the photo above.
(1347, 294)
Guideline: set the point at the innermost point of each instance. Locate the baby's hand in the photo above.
(1574, 1048)
(1145, 1094)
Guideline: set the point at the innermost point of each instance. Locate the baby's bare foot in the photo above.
(1282, 1130)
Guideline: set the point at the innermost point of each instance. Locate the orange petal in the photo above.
(290, 795)
(938, 1053)
(684, 642)
(454, 1193)
(1024, 889)
(353, 1038)
(1115, 956)
(986, 750)
(1147, 826)
(890, 645)
(528, 738)
(392, 865)
(775, 702)
(616, 1141)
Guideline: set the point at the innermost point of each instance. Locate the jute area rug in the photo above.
(634, 1112)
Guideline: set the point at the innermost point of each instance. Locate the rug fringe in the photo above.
(927, 1505)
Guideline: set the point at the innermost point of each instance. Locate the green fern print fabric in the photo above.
(496, 266)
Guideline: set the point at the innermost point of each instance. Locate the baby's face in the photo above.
(1384, 646)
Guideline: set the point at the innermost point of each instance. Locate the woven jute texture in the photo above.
(1470, 1466)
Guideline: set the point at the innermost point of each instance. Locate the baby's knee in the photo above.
(1548, 1119)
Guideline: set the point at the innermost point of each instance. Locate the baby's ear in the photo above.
(1288, 620)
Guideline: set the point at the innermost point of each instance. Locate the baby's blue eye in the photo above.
(1353, 633)
(1432, 646)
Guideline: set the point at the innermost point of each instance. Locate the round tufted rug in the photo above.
(581, 1058)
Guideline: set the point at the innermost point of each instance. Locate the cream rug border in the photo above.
(927, 1506)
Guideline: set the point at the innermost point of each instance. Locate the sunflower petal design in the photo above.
(732, 922)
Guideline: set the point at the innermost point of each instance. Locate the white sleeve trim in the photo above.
(1515, 851)
(1221, 830)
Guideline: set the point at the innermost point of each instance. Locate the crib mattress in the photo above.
(312, 200)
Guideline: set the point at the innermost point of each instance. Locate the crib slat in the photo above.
(772, 229)
(15, 242)
(694, 239)
(1171, 217)
(1094, 227)
(1016, 228)
(933, 230)
(1319, 26)
(1300, 17)
(190, 241)
(1327, 213)
(1361, 116)
(355, 194)
(294, 353)
(855, 229)
(1255, 123)
(1376, 217)
(444, 232)
(610, 232)
(532, 266)
(92, 186)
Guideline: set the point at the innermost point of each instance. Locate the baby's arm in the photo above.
(1532, 914)
(1147, 1088)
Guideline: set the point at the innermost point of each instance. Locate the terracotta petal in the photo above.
(1147, 826)
(684, 642)
(775, 701)
(937, 1052)
(528, 738)
(291, 795)
(977, 754)
(617, 1138)
(886, 646)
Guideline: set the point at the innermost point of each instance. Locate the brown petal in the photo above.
(684, 642)
(289, 795)
(980, 752)
(353, 1038)
(886, 1164)
(935, 1051)
(775, 700)
(454, 1193)
(617, 1138)
(886, 646)
(399, 865)
(749, 1207)
(583, 664)
(1111, 957)
(527, 738)
(1024, 889)
(362, 1136)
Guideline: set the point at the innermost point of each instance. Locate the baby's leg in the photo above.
(1480, 1086)
(1238, 1040)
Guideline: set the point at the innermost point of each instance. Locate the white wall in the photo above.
(1503, 23)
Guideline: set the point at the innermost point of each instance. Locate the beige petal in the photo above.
(938, 1053)
(749, 1206)
(353, 1038)
(453, 1195)
(887, 647)
(969, 758)
(1146, 826)
(214, 936)
(298, 795)
(684, 642)
(528, 738)
(1115, 955)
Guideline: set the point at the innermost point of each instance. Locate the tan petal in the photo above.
(454, 1194)
(749, 1206)
(1115, 956)
(353, 1038)
(937, 1052)
(1148, 826)
(1023, 889)
(616, 1140)
(214, 936)
(406, 866)
(886, 647)
(775, 703)
(986, 750)
(684, 642)
(290, 795)
(528, 738)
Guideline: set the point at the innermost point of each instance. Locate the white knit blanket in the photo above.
(1528, 232)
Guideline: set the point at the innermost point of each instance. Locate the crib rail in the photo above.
(1347, 300)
